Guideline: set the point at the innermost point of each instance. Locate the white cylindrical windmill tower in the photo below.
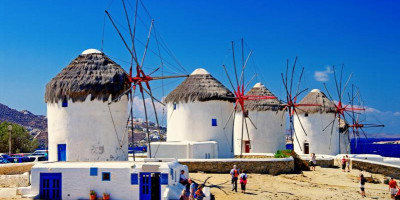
(316, 121)
(82, 125)
(198, 110)
(267, 135)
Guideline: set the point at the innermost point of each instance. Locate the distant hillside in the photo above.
(34, 123)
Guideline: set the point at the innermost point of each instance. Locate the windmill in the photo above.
(358, 119)
(291, 105)
(240, 97)
(341, 110)
(141, 79)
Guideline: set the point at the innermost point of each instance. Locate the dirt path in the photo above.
(325, 183)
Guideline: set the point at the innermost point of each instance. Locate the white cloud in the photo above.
(396, 114)
(138, 109)
(323, 76)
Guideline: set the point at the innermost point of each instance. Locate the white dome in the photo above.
(199, 71)
(258, 85)
(90, 51)
(315, 90)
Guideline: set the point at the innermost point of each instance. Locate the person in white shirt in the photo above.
(182, 178)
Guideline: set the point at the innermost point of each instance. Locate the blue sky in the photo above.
(39, 38)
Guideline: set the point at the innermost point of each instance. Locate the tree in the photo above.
(21, 140)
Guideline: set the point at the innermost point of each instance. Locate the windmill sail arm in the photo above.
(168, 77)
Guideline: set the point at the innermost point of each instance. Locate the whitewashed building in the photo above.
(267, 135)
(80, 120)
(198, 110)
(149, 179)
(316, 122)
(81, 131)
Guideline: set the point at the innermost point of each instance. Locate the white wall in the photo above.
(318, 139)
(87, 130)
(77, 182)
(269, 135)
(192, 122)
(184, 150)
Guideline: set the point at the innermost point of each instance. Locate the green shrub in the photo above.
(283, 154)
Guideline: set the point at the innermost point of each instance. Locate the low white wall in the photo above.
(184, 149)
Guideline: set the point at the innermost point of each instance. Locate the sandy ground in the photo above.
(324, 183)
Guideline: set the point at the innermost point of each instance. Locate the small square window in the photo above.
(65, 103)
(214, 122)
(134, 179)
(106, 176)
(174, 106)
(93, 171)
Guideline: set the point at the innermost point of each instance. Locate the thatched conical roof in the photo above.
(262, 104)
(199, 86)
(91, 73)
(316, 97)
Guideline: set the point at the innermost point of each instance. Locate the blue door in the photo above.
(150, 186)
(50, 186)
(62, 152)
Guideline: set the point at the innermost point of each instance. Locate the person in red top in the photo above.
(344, 160)
(393, 188)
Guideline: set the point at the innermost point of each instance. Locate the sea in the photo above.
(367, 146)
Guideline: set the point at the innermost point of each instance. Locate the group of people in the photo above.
(197, 194)
(346, 163)
(235, 175)
(194, 193)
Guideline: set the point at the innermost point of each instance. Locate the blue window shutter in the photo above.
(214, 122)
(174, 106)
(134, 179)
(164, 179)
(93, 171)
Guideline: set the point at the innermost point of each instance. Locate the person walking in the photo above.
(313, 161)
(192, 189)
(243, 181)
(234, 177)
(348, 163)
(393, 187)
(362, 184)
(344, 164)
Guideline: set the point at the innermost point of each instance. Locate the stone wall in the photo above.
(12, 181)
(377, 167)
(261, 166)
(325, 162)
(15, 168)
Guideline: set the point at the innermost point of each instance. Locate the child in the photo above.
(199, 195)
(397, 197)
(243, 181)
